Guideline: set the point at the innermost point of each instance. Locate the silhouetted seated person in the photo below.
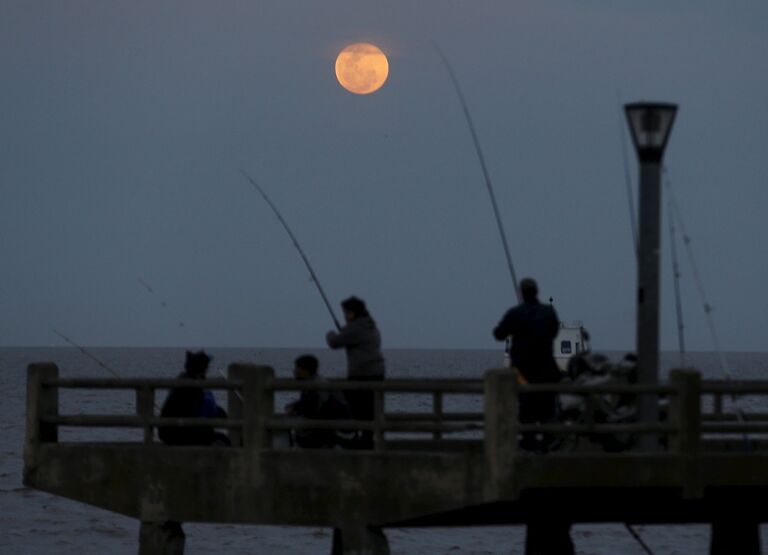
(192, 402)
(316, 405)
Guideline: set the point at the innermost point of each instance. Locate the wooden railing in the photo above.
(252, 419)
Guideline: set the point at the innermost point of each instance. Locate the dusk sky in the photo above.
(124, 126)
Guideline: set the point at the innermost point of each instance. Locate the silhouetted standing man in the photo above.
(533, 327)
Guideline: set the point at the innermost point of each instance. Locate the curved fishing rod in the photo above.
(481, 158)
(92, 357)
(295, 244)
(83, 350)
(489, 186)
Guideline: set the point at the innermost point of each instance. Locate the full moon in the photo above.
(362, 68)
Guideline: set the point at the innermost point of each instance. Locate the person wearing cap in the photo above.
(361, 340)
(533, 327)
(192, 402)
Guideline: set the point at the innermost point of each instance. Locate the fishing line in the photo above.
(295, 244)
(481, 158)
(676, 277)
(151, 291)
(675, 212)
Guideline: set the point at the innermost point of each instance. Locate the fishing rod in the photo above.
(295, 244)
(489, 186)
(87, 353)
(82, 349)
(481, 158)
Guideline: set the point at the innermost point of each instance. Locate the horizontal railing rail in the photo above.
(735, 387)
(125, 421)
(458, 386)
(287, 423)
(140, 383)
(579, 389)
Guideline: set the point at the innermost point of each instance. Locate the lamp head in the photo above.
(650, 124)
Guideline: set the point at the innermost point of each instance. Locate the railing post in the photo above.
(41, 402)
(378, 419)
(235, 399)
(685, 416)
(257, 406)
(501, 425)
(437, 411)
(685, 411)
(145, 407)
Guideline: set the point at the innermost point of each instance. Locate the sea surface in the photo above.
(36, 523)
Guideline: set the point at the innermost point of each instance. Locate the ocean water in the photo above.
(33, 522)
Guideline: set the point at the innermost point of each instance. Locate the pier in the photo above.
(435, 467)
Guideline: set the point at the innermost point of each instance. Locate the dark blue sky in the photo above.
(124, 126)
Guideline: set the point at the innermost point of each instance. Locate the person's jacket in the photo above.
(362, 341)
(319, 404)
(533, 327)
(186, 402)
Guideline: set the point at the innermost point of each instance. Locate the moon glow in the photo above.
(362, 68)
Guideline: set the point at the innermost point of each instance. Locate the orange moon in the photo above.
(362, 68)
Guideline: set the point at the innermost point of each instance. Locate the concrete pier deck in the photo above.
(713, 467)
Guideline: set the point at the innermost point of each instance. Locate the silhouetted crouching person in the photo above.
(362, 341)
(316, 405)
(192, 402)
(533, 327)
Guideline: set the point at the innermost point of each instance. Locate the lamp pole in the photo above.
(650, 124)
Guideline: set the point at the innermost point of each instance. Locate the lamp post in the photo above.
(650, 124)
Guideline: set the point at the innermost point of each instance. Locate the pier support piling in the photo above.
(735, 536)
(161, 538)
(359, 540)
(501, 422)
